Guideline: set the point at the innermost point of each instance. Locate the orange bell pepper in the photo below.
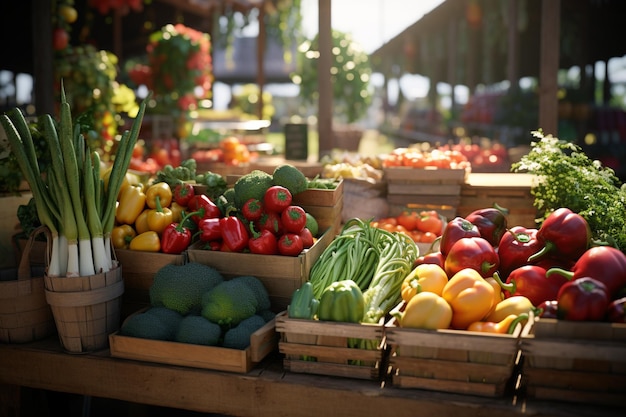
(470, 296)
(426, 310)
(424, 277)
(159, 192)
(505, 326)
(131, 203)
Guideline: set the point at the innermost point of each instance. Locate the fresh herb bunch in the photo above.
(567, 177)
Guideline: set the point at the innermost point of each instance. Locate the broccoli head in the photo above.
(239, 337)
(251, 185)
(290, 177)
(147, 326)
(229, 303)
(198, 330)
(260, 292)
(180, 287)
(171, 318)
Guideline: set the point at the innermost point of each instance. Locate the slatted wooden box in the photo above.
(456, 361)
(582, 362)
(281, 275)
(262, 343)
(417, 187)
(325, 205)
(322, 348)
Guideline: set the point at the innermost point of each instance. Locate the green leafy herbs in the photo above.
(567, 177)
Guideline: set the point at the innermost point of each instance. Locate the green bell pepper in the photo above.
(303, 304)
(342, 301)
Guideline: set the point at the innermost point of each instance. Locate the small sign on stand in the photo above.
(296, 141)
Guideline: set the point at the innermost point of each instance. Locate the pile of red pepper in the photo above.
(556, 266)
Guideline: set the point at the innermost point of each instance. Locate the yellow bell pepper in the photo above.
(159, 192)
(122, 235)
(517, 304)
(141, 223)
(498, 295)
(505, 326)
(159, 217)
(424, 277)
(470, 296)
(177, 212)
(131, 203)
(426, 310)
(147, 242)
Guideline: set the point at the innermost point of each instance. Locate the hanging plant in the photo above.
(178, 69)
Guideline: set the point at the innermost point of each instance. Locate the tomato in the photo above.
(138, 150)
(428, 237)
(430, 223)
(277, 198)
(290, 244)
(293, 219)
(60, 39)
(408, 219)
(307, 238)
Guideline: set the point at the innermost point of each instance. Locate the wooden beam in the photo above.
(512, 64)
(549, 65)
(325, 103)
(43, 57)
(260, 60)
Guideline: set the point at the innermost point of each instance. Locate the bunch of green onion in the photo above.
(71, 198)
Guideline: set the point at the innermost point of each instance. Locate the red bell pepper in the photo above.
(210, 229)
(183, 192)
(293, 219)
(604, 263)
(234, 233)
(456, 229)
(263, 242)
(564, 234)
(531, 282)
(548, 309)
(616, 311)
(582, 299)
(277, 198)
(207, 209)
(176, 237)
(436, 258)
(516, 246)
(290, 244)
(491, 223)
(472, 252)
(252, 209)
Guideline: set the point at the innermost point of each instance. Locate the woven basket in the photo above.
(25, 316)
(86, 309)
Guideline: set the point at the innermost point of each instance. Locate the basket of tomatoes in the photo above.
(423, 226)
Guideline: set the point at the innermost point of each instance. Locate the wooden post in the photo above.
(513, 42)
(325, 103)
(260, 59)
(43, 57)
(549, 65)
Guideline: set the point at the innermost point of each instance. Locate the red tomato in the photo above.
(430, 223)
(277, 198)
(290, 244)
(408, 219)
(293, 219)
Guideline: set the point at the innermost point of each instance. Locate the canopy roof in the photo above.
(472, 37)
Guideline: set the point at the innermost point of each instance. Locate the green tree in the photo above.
(350, 75)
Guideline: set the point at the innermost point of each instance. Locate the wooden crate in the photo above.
(456, 361)
(511, 191)
(262, 343)
(138, 269)
(281, 275)
(324, 205)
(415, 187)
(321, 348)
(582, 362)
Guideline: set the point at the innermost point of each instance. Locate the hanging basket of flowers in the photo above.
(178, 70)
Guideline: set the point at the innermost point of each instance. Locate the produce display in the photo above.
(256, 215)
(423, 226)
(193, 303)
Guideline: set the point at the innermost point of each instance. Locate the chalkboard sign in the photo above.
(296, 141)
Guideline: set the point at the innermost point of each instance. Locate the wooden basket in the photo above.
(86, 309)
(25, 315)
(570, 361)
(322, 348)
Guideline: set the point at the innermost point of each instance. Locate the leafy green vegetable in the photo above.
(567, 177)
(216, 184)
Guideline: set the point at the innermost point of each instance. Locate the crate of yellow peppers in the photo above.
(449, 334)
